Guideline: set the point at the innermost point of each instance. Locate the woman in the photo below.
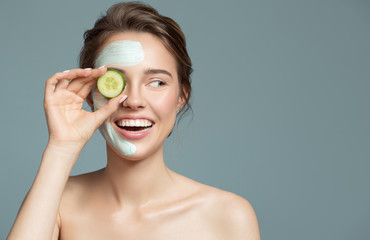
(135, 196)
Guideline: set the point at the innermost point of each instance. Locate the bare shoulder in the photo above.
(231, 213)
(77, 190)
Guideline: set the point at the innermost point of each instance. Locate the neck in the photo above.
(136, 182)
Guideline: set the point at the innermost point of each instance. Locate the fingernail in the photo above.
(123, 99)
(88, 69)
(102, 66)
(66, 70)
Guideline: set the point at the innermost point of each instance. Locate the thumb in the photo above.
(108, 109)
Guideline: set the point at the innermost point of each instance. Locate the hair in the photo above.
(140, 17)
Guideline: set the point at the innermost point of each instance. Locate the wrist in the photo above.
(65, 148)
(61, 156)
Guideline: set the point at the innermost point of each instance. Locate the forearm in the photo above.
(37, 216)
(70, 127)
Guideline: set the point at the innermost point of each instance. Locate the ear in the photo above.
(182, 101)
(180, 104)
(89, 101)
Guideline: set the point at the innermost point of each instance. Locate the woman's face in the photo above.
(147, 116)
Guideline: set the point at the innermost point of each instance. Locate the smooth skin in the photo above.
(135, 197)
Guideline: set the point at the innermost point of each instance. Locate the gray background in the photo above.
(281, 105)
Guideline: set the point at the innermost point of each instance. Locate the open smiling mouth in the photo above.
(134, 125)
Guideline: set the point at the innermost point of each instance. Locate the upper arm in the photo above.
(244, 224)
(238, 219)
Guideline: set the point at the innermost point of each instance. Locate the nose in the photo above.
(135, 100)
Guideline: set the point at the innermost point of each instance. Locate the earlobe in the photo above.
(180, 104)
(182, 100)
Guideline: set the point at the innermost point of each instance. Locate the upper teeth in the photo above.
(134, 123)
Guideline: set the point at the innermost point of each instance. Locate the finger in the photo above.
(51, 83)
(108, 109)
(62, 84)
(86, 89)
(78, 73)
(77, 84)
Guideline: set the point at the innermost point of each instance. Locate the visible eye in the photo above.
(157, 83)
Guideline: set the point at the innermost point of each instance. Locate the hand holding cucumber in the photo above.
(65, 93)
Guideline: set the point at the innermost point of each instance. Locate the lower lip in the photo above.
(132, 134)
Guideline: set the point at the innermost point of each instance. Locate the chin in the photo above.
(139, 155)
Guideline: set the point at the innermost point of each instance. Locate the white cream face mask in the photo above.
(121, 145)
(119, 53)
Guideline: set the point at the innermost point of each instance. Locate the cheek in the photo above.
(165, 103)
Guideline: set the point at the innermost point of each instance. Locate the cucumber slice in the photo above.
(111, 84)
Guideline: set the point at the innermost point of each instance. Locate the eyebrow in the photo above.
(147, 72)
(154, 71)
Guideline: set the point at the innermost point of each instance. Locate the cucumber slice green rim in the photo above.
(111, 84)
